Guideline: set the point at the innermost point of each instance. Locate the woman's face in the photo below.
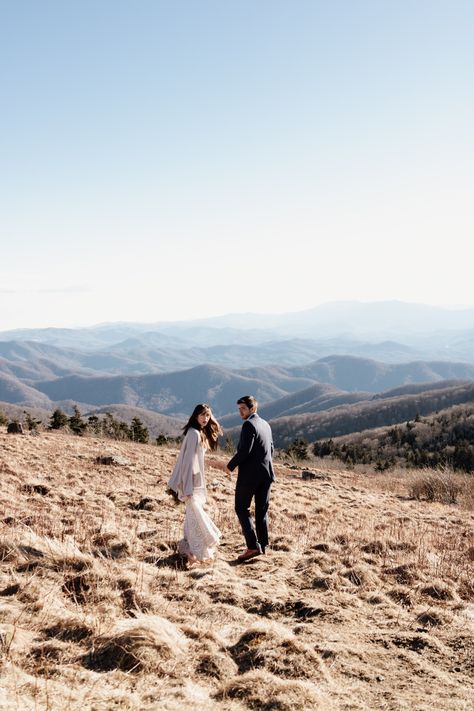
(204, 418)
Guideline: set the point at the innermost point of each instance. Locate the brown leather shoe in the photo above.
(249, 553)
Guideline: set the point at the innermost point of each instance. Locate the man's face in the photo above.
(245, 411)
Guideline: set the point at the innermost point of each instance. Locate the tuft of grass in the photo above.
(436, 485)
(263, 691)
(269, 647)
(153, 644)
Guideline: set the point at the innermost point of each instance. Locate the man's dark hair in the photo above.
(248, 400)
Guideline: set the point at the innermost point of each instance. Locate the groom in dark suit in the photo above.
(255, 477)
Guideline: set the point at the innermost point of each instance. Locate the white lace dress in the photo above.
(200, 535)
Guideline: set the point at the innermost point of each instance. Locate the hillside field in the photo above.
(364, 601)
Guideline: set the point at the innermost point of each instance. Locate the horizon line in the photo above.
(233, 314)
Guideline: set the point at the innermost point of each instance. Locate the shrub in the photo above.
(30, 423)
(436, 486)
(94, 424)
(228, 445)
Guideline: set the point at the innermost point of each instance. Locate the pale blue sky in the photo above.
(181, 159)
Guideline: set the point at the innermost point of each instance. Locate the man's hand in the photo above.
(219, 465)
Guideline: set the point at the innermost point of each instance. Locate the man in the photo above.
(255, 476)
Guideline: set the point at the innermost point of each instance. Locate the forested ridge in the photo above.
(444, 438)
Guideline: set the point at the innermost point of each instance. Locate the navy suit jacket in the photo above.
(254, 452)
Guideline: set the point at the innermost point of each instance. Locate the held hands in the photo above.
(221, 466)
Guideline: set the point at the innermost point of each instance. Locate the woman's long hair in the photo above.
(210, 433)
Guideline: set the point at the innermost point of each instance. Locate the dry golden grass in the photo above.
(364, 601)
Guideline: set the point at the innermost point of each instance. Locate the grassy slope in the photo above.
(364, 601)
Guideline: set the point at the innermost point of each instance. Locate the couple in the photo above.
(255, 476)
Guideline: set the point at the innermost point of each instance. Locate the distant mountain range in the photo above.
(389, 331)
(33, 360)
(176, 393)
(386, 319)
(299, 366)
(381, 318)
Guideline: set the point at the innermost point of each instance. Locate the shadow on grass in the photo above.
(175, 560)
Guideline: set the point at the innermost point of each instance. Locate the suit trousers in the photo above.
(255, 533)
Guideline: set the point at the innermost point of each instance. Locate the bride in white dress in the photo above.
(201, 536)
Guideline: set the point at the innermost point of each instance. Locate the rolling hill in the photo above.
(351, 373)
(442, 439)
(176, 393)
(168, 393)
(14, 391)
(313, 399)
(369, 414)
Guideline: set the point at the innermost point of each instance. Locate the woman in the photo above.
(201, 536)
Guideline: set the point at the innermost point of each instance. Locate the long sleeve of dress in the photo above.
(187, 464)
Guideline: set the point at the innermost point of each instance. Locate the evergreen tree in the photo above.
(58, 420)
(139, 433)
(298, 449)
(323, 449)
(115, 429)
(122, 431)
(76, 423)
(463, 457)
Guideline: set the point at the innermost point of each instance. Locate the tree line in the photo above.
(106, 426)
(443, 439)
